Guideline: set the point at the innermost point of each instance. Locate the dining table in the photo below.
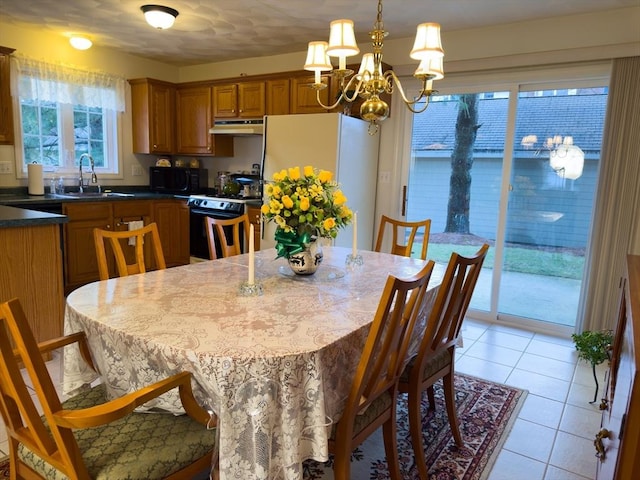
(274, 363)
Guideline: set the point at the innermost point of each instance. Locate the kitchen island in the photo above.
(31, 267)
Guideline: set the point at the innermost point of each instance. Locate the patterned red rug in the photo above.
(486, 411)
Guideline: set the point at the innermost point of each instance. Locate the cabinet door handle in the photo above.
(600, 450)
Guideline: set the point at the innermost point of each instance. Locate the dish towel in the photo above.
(135, 225)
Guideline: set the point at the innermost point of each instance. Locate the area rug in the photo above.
(486, 411)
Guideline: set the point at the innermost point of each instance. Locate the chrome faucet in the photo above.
(94, 177)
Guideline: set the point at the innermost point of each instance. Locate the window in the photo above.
(65, 113)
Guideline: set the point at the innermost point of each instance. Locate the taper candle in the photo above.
(355, 234)
(251, 257)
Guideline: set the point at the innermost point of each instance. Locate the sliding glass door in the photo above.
(516, 169)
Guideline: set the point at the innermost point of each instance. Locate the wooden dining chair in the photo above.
(400, 243)
(87, 436)
(373, 394)
(436, 354)
(222, 228)
(119, 240)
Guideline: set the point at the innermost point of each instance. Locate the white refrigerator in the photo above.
(329, 141)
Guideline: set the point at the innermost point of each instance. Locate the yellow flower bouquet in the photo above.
(304, 206)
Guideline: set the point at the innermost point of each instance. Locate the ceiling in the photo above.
(208, 31)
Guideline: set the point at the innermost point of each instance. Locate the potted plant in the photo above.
(595, 348)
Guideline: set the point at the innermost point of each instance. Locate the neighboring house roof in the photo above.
(579, 116)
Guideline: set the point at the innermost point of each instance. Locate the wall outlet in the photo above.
(136, 170)
(384, 177)
(5, 167)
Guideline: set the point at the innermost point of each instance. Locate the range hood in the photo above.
(238, 127)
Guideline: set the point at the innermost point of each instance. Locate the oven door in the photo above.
(199, 242)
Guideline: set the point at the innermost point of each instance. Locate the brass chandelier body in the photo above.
(371, 82)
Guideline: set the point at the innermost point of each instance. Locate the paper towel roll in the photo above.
(36, 179)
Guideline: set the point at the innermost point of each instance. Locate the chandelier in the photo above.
(370, 81)
(565, 158)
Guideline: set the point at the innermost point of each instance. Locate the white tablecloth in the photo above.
(275, 368)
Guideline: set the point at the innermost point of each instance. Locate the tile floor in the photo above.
(552, 438)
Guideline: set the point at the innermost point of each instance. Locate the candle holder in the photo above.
(354, 262)
(251, 289)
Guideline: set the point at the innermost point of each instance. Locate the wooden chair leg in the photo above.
(414, 402)
(450, 401)
(342, 465)
(431, 397)
(390, 435)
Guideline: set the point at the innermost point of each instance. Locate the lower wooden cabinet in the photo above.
(255, 218)
(81, 264)
(172, 217)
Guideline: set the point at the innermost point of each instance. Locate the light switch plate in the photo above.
(136, 170)
(5, 167)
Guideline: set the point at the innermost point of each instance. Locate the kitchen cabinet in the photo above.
(6, 110)
(194, 118)
(303, 97)
(31, 270)
(153, 116)
(172, 217)
(79, 247)
(255, 219)
(239, 100)
(618, 442)
(278, 96)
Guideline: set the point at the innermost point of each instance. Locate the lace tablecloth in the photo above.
(275, 368)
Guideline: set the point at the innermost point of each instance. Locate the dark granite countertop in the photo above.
(21, 217)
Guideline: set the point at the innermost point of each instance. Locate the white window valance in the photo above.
(38, 80)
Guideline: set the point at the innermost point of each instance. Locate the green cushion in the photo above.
(144, 446)
(365, 418)
(441, 360)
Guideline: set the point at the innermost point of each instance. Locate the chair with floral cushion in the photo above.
(400, 243)
(373, 395)
(436, 354)
(87, 436)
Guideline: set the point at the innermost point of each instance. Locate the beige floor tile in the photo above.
(531, 440)
(538, 384)
(511, 466)
(512, 330)
(503, 339)
(584, 373)
(582, 395)
(560, 352)
(542, 411)
(494, 353)
(546, 366)
(575, 454)
(483, 369)
(555, 473)
(563, 341)
(582, 422)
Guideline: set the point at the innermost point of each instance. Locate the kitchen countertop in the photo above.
(21, 217)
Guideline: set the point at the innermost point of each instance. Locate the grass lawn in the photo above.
(517, 259)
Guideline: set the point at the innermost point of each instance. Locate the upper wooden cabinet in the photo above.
(6, 110)
(303, 97)
(239, 100)
(194, 112)
(279, 96)
(153, 116)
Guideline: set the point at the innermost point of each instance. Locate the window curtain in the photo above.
(618, 197)
(37, 80)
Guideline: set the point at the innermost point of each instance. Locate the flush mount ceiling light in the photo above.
(370, 81)
(80, 42)
(159, 16)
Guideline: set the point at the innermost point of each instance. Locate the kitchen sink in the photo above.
(92, 194)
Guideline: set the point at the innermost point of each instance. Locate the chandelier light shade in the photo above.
(370, 81)
(80, 42)
(159, 16)
(565, 158)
